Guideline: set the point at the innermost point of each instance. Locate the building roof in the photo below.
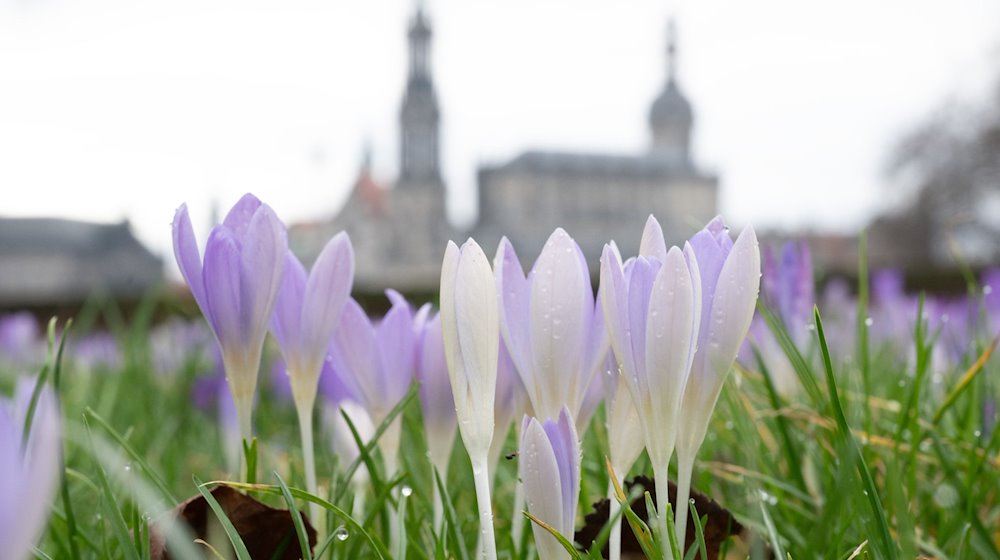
(570, 164)
(55, 261)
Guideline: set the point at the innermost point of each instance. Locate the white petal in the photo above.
(542, 487)
(478, 327)
(559, 310)
(669, 332)
(652, 244)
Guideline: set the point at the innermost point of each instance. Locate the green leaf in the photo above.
(300, 528)
(234, 537)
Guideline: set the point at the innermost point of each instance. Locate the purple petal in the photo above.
(239, 216)
(326, 291)
(353, 350)
(262, 263)
(287, 318)
(188, 257)
(640, 286)
(222, 288)
(514, 293)
(396, 349)
(615, 307)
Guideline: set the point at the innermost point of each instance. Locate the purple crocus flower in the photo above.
(20, 340)
(730, 281)
(379, 362)
(653, 308)
(787, 287)
(236, 287)
(436, 401)
(29, 473)
(305, 315)
(550, 468)
(307, 312)
(548, 320)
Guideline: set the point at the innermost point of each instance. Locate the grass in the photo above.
(875, 456)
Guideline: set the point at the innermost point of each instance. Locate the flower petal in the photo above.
(560, 313)
(514, 295)
(222, 288)
(353, 350)
(669, 332)
(652, 244)
(396, 351)
(188, 257)
(478, 326)
(239, 216)
(262, 263)
(287, 318)
(542, 488)
(326, 292)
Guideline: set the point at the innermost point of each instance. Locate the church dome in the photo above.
(671, 108)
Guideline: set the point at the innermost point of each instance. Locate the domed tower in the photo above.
(419, 115)
(671, 116)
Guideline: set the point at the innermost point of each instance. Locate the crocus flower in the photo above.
(378, 361)
(549, 323)
(236, 287)
(436, 401)
(29, 473)
(730, 280)
(471, 331)
(653, 306)
(550, 469)
(787, 288)
(20, 340)
(305, 316)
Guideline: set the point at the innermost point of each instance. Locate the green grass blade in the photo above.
(885, 546)
(234, 537)
(450, 517)
(114, 513)
(157, 481)
(293, 510)
(377, 546)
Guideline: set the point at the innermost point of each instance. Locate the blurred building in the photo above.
(399, 234)
(46, 262)
(599, 197)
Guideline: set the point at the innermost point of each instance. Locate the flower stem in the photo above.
(306, 431)
(615, 539)
(480, 472)
(662, 480)
(685, 466)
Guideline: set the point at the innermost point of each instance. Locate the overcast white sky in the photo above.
(122, 108)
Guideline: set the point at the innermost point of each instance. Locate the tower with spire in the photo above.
(419, 116)
(671, 117)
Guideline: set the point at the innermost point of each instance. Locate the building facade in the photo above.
(399, 234)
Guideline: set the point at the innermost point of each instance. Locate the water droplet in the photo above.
(128, 467)
(406, 491)
(977, 433)
(811, 326)
(946, 496)
(987, 290)
(341, 533)
(869, 321)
